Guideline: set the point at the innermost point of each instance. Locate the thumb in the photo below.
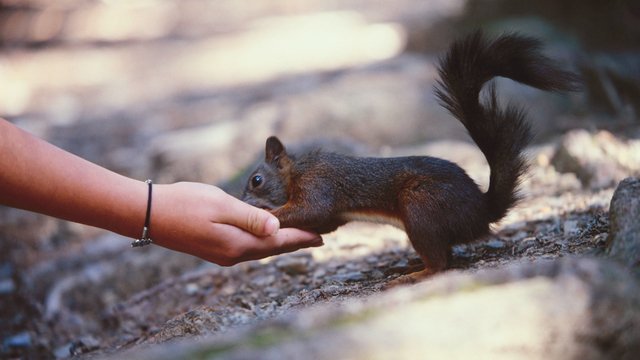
(257, 221)
(262, 223)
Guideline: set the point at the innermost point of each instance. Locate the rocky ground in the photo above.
(176, 96)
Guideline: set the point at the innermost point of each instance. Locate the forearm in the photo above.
(196, 219)
(40, 177)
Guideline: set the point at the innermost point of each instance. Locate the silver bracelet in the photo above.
(145, 239)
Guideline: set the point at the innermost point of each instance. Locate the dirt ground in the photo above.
(129, 95)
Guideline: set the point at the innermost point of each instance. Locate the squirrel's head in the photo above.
(268, 183)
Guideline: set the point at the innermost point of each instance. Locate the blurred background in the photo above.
(189, 90)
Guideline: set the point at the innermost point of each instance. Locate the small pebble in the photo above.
(600, 239)
(263, 280)
(83, 345)
(319, 273)
(495, 244)
(376, 274)
(63, 351)
(6, 270)
(348, 277)
(461, 252)
(191, 288)
(22, 339)
(570, 227)
(293, 265)
(525, 244)
(7, 286)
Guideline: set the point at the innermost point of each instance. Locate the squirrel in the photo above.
(433, 200)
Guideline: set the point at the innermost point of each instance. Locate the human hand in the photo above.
(204, 221)
(197, 219)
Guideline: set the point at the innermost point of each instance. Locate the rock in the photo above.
(624, 235)
(598, 160)
(566, 308)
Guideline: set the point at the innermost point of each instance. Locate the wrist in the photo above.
(145, 237)
(128, 208)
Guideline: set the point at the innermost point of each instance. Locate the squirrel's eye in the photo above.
(257, 180)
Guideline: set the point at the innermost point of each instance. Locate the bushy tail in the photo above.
(500, 133)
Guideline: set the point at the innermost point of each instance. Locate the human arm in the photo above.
(197, 219)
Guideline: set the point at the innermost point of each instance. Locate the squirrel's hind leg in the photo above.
(433, 248)
(426, 225)
(435, 257)
(427, 234)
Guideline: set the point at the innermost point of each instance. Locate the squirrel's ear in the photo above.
(274, 150)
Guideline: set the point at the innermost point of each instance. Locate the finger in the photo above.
(287, 240)
(252, 219)
(246, 246)
(291, 239)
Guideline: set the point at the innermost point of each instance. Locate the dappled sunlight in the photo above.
(113, 60)
(291, 45)
(122, 21)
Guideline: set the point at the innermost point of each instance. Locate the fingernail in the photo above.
(272, 226)
(318, 242)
